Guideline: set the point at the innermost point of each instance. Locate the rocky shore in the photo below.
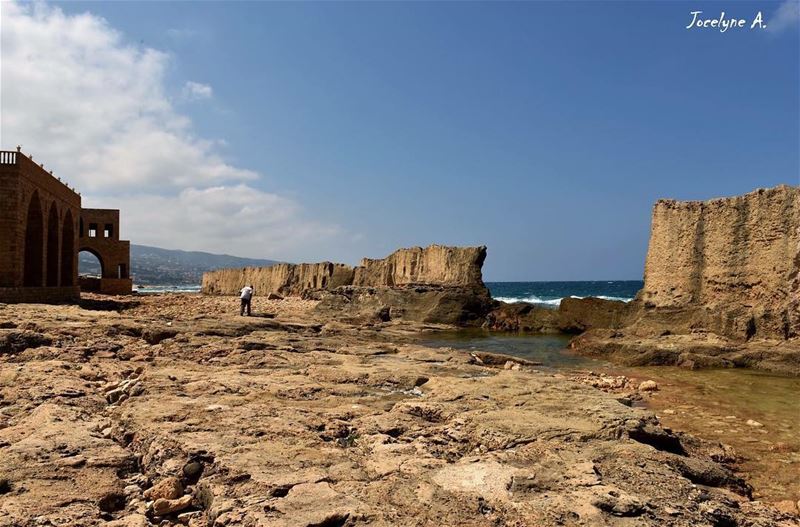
(172, 410)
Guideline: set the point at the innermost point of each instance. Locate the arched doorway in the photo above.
(68, 252)
(52, 247)
(90, 264)
(34, 242)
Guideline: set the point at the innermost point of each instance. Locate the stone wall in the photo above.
(730, 265)
(282, 279)
(38, 232)
(40, 295)
(99, 235)
(433, 265)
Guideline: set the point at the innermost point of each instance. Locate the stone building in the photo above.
(42, 230)
(99, 235)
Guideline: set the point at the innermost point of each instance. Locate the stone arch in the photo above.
(34, 243)
(68, 251)
(52, 246)
(97, 255)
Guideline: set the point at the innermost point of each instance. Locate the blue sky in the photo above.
(544, 130)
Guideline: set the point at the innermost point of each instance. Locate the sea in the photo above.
(157, 289)
(547, 294)
(550, 294)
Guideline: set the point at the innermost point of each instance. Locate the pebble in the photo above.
(648, 386)
(669, 411)
(162, 507)
(186, 517)
(193, 469)
(168, 489)
(132, 490)
(754, 424)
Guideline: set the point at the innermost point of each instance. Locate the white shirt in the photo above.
(247, 292)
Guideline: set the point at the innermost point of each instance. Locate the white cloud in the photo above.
(235, 219)
(94, 109)
(786, 16)
(195, 91)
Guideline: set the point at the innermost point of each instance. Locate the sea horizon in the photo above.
(547, 293)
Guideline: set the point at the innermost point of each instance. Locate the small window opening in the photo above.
(92, 230)
(122, 271)
(108, 232)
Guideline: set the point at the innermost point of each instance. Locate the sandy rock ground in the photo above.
(173, 410)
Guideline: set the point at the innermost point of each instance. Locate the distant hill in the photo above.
(156, 266)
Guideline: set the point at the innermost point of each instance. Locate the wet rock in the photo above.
(168, 488)
(710, 474)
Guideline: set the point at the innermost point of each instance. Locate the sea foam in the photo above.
(553, 302)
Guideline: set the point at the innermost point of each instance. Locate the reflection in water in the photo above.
(550, 350)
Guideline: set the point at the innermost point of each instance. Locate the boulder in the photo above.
(460, 306)
(168, 488)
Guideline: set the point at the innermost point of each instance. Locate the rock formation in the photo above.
(573, 316)
(433, 265)
(282, 279)
(730, 262)
(721, 287)
(436, 304)
(298, 420)
(436, 284)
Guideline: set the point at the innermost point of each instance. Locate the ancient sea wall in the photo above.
(731, 264)
(433, 265)
(282, 279)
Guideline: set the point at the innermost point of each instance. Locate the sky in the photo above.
(333, 131)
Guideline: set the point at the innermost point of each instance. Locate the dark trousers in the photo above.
(245, 306)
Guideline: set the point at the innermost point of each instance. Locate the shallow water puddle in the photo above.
(756, 413)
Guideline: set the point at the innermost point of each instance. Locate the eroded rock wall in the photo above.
(732, 262)
(282, 279)
(434, 265)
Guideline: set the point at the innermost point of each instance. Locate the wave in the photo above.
(533, 299)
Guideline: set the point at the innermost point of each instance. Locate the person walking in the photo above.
(246, 295)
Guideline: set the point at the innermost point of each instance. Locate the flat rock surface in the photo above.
(287, 419)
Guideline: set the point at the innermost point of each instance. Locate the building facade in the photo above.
(40, 237)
